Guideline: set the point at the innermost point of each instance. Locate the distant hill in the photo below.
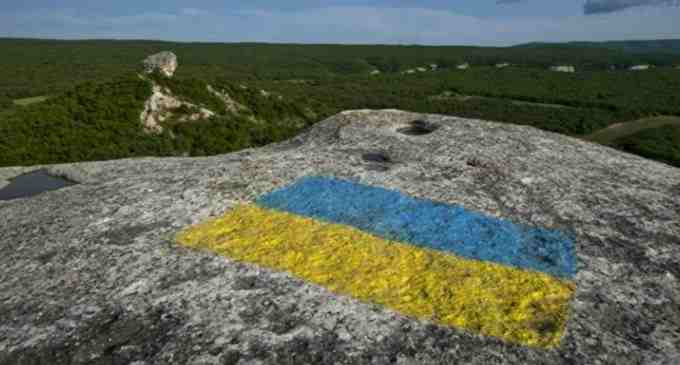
(34, 67)
(657, 46)
(64, 101)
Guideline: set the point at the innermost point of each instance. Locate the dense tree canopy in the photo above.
(661, 144)
(96, 96)
(99, 121)
(37, 67)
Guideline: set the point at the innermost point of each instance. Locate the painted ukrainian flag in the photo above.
(424, 259)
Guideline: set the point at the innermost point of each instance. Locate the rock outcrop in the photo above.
(563, 68)
(164, 62)
(92, 273)
(162, 105)
(640, 67)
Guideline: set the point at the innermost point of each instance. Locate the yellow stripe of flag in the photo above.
(512, 304)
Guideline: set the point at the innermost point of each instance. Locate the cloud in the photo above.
(607, 6)
(345, 24)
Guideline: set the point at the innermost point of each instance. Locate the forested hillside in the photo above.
(567, 103)
(85, 98)
(38, 67)
(100, 121)
(655, 46)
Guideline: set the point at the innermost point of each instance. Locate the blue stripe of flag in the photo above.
(396, 216)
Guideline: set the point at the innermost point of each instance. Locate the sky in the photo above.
(455, 22)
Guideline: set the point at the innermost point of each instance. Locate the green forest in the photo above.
(662, 144)
(653, 46)
(30, 67)
(65, 101)
(100, 121)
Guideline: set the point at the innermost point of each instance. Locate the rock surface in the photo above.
(569, 69)
(92, 274)
(640, 67)
(165, 62)
(162, 104)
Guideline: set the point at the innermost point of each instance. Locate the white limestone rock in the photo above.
(164, 62)
(162, 104)
(563, 68)
(640, 67)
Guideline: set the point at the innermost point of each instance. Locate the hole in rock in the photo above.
(418, 128)
(377, 161)
(32, 183)
(376, 157)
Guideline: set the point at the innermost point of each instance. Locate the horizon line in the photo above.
(327, 44)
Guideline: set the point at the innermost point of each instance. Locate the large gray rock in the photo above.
(164, 62)
(92, 274)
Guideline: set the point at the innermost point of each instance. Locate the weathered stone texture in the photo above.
(164, 62)
(92, 274)
(162, 105)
